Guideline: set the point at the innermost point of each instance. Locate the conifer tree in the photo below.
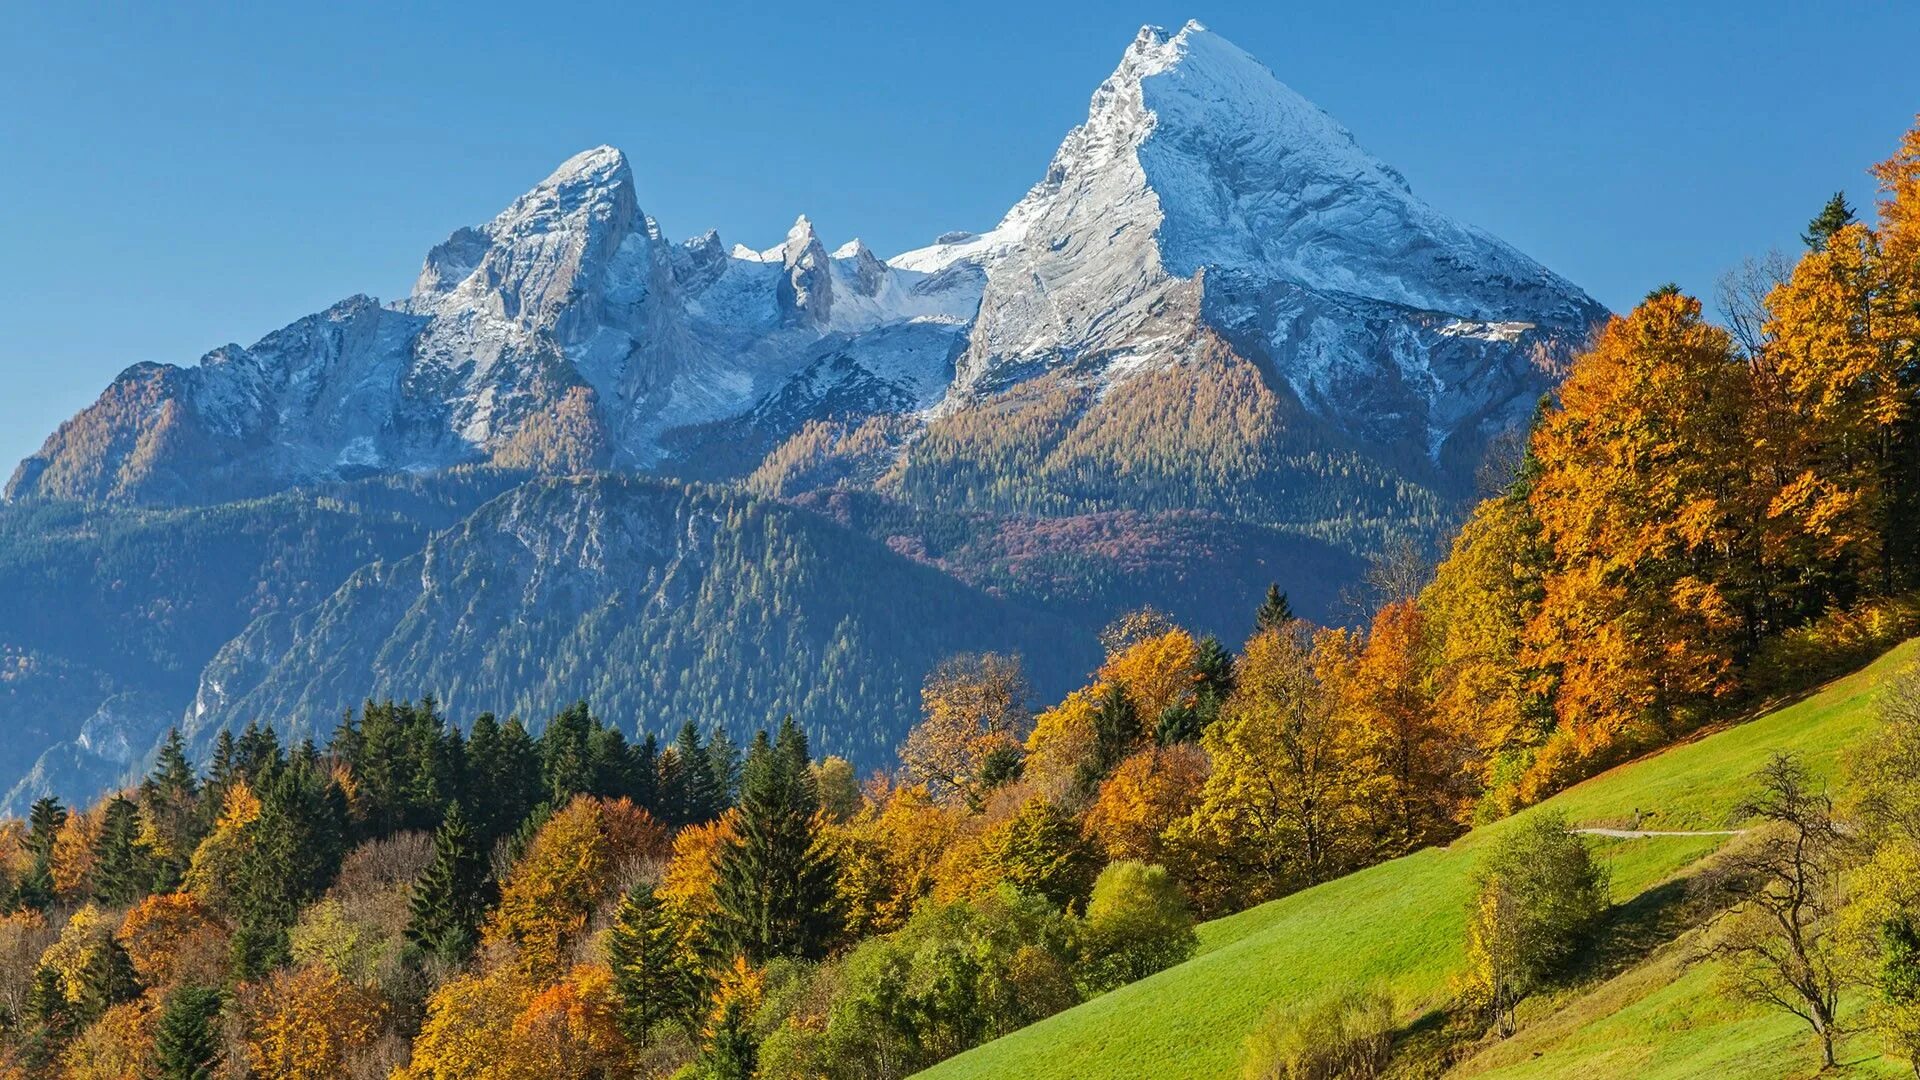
(696, 789)
(504, 766)
(1833, 217)
(451, 896)
(185, 1044)
(566, 767)
(107, 980)
(44, 821)
(723, 764)
(642, 951)
(1275, 612)
(119, 870)
(775, 889)
(169, 798)
(1116, 734)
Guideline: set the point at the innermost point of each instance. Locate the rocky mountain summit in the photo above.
(1202, 200)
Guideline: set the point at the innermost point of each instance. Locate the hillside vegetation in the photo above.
(1402, 924)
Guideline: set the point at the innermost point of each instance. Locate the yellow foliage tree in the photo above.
(1147, 793)
(1158, 671)
(306, 1023)
(114, 1047)
(174, 938)
(973, 707)
(552, 891)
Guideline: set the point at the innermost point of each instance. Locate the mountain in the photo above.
(1205, 222)
(655, 602)
(1217, 345)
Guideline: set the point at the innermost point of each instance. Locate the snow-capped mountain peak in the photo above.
(1202, 200)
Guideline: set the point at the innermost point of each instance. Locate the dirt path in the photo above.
(1635, 834)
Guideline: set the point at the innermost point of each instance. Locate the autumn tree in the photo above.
(1275, 812)
(1405, 764)
(973, 709)
(553, 890)
(1147, 793)
(1641, 500)
(1041, 850)
(306, 1023)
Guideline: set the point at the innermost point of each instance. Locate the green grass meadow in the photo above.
(1400, 925)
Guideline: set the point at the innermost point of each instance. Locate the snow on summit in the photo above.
(1201, 197)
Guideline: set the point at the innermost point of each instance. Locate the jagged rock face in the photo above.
(1201, 202)
(1201, 192)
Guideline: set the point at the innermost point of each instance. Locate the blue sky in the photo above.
(175, 177)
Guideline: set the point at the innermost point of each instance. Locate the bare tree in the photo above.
(1778, 893)
(1742, 298)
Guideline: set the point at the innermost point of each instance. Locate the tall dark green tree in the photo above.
(689, 792)
(44, 821)
(120, 872)
(451, 896)
(503, 771)
(170, 797)
(723, 765)
(775, 880)
(1275, 612)
(107, 980)
(1833, 217)
(186, 1045)
(1116, 734)
(298, 842)
(643, 951)
(566, 763)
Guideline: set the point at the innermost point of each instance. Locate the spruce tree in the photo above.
(699, 789)
(1833, 217)
(44, 822)
(119, 868)
(1275, 612)
(107, 980)
(451, 896)
(723, 765)
(643, 955)
(774, 886)
(170, 796)
(1116, 734)
(566, 764)
(185, 1043)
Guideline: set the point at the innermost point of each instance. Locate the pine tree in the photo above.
(1833, 217)
(44, 822)
(566, 765)
(1275, 612)
(1116, 734)
(119, 870)
(699, 788)
(723, 765)
(451, 896)
(642, 951)
(775, 886)
(1214, 668)
(107, 980)
(504, 768)
(47, 1006)
(170, 799)
(185, 1044)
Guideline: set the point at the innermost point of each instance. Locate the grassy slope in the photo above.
(1400, 924)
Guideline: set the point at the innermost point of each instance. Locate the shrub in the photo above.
(1347, 1036)
(1540, 895)
(1137, 923)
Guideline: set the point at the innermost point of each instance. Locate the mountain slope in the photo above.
(655, 602)
(111, 612)
(1400, 925)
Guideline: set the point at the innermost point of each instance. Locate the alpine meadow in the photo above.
(1229, 619)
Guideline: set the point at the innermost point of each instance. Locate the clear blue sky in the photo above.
(175, 177)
